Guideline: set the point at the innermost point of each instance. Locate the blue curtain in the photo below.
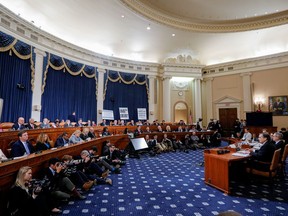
(125, 90)
(65, 93)
(17, 102)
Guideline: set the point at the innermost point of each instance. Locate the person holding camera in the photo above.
(61, 186)
(28, 199)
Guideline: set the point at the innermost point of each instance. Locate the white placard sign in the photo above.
(108, 115)
(142, 115)
(124, 113)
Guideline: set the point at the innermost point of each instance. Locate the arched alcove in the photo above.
(180, 111)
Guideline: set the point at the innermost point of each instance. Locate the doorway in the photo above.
(227, 117)
(181, 112)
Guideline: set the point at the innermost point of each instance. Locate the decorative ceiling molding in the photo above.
(143, 8)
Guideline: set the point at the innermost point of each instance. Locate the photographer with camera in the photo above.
(93, 170)
(61, 186)
(29, 199)
(100, 161)
(76, 176)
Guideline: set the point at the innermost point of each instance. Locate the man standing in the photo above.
(278, 107)
(22, 146)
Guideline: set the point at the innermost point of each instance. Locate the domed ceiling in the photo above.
(209, 31)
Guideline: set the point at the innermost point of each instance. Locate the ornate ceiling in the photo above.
(204, 16)
(204, 32)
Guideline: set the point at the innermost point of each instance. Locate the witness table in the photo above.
(217, 168)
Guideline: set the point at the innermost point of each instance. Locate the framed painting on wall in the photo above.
(278, 105)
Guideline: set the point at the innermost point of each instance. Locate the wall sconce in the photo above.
(100, 111)
(151, 113)
(259, 102)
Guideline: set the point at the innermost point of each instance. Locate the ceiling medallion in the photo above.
(247, 24)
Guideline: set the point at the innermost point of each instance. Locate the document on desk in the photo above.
(241, 153)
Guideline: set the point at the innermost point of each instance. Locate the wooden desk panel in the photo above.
(217, 168)
(8, 170)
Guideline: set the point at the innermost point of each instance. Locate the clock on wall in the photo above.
(180, 93)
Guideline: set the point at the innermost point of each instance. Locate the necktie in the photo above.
(26, 148)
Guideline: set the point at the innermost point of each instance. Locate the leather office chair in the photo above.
(273, 167)
(282, 163)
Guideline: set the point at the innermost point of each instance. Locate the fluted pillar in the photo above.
(209, 98)
(166, 99)
(151, 101)
(198, 102)
(36, 97)
(247, 95)
(100, 93)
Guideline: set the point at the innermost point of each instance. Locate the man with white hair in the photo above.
(19, 125)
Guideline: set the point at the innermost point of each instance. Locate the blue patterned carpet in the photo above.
(173, 184)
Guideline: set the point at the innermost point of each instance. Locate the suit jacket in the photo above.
(92, 135)
(60, 142)
(265, 153)
(280, 145)
(16, 126)
(33, 126)
(18, 149)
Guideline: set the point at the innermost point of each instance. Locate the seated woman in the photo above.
(43, 142)
(75, 138)
(105, 132)
(24, 200)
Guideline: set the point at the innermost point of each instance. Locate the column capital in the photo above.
(166, 78)
(40, 52)
(208, 79)
(151, 77)
(101, 70)
(245, 74)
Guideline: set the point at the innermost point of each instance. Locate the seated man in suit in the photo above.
(19, 125)
(62, 140)
(31, 124)
(278, 142)
(22, 146)
(264, 154)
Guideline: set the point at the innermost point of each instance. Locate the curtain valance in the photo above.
(74, 68)
(127, 78)
(19, 48)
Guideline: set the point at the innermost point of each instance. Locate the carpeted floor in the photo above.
(173, 184)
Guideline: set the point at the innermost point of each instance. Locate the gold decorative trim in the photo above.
(143, 8)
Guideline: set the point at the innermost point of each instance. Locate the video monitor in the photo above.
(139, 143)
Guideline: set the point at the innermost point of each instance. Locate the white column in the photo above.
(198, 102)
(151, 100)
(209, 98)
(100, 92)
(37, 92)
(166, 99)
(247, 96)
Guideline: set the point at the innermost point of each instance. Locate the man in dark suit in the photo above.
(278, 142)
(31, 124)
(278, 107)
(22, 146)
(264, 154)
(72, 117)
(19, 125)
(62, 140)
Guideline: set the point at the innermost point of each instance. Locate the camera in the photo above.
(37, 185)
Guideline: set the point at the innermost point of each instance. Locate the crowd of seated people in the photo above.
(63, 178)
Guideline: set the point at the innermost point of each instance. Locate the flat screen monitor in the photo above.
(259, 119)
(139, 143)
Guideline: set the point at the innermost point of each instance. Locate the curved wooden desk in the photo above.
(217, 168)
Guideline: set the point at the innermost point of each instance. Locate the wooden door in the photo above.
(227, 117)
